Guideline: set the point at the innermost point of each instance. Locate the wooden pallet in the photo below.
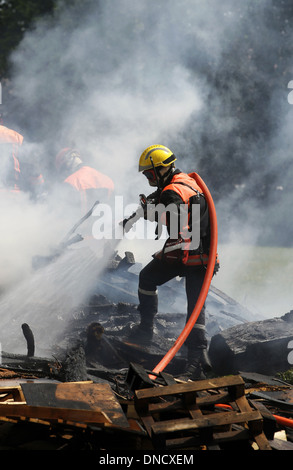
(192, 414)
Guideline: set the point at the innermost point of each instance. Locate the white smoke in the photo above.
(98, 80)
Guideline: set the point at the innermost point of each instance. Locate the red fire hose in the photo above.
(206, 283)
(287, 422)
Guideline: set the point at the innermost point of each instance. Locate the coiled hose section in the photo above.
(206, 283)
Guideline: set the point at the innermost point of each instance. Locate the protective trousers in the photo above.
(157, 273)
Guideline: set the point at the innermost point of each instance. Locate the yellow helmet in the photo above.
(155, 155)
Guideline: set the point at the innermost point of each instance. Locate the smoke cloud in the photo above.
(208, 79)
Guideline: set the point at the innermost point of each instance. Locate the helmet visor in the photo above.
(150, 175)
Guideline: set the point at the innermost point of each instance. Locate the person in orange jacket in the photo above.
(83, 183)
(178, 257)
(10, 141)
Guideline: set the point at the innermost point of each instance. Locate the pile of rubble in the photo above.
(95, 389)
(135, 412)
(261, 346)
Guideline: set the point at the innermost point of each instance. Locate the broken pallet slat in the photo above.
(205, 425)
(53, 413)
(278, 444)
(205, 421)
(212, 428)
(257, 432)
(270, 422)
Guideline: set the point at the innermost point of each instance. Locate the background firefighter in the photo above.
(82, 184)
(175, 259)
(10, 142)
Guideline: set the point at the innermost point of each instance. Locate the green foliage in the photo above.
(16, 17)
(286, 376)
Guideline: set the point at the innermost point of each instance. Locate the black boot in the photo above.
(198, 365)
(148, 307)
(141, 333)
(205, 361)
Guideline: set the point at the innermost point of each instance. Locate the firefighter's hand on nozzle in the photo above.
(142, 211)
(128, 222)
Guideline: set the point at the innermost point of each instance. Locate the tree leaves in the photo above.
(16, 17)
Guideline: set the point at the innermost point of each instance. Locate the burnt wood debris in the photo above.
(93, 389)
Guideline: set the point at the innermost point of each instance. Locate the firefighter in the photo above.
(10, 141)
(178, 257)
(86, 184)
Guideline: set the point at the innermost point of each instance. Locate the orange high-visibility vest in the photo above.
(186, 186)
(87, 178)
(9, 136)
(182, 184)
